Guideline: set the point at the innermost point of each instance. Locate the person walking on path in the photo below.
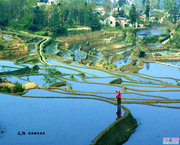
(118, 97)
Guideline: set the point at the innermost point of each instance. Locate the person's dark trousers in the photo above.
(119, 101)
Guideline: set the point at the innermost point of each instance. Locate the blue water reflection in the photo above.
(64, 121)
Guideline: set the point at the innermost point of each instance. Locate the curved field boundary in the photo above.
(42, 57)
(118, 132)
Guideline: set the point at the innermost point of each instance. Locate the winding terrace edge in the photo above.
(118, 132)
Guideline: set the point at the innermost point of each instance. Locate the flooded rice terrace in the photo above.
(74, 96)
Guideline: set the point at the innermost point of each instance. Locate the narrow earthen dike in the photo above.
(118, 132)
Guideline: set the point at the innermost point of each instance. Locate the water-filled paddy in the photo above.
(15, 80)
(168, 94)
(65, 53)
(160, 70)
(31, 47)
(51, 49)
(166, 51)
(155, 123)
(149, 32)
(176, 63)
(100, 80)
(58, 118)
(9, 63)
(38, 79)
(7, 38)
(122, 62)
(94, 58)
(154, 46)
(92, 87)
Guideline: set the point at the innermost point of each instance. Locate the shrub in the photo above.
(33, 28)
(1, 47)
(6, 89)
(142, 54)
(42, 33)
(151, 39)
(18, 88)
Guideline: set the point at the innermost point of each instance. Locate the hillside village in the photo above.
(113, 19)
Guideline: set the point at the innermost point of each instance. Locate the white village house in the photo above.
(108, 20)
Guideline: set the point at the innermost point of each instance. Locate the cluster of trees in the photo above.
(173, 8)
(176, 37)
(55, 18)
(170, 6)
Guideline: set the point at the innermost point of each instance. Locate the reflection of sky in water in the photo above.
(78, 78)
(139, 84)
(135, 96)
(170, 81)
(122, 62)
(7, 38)
(75, 64)
(31, 47)
(169, 104)
(160, 70)
(109, 57)
(149, 32)
(60, 119)
(93, 71)
(100, 80)
(94, 58)
(9, 63)
(5, 69)
(154, 46)
(158, 122)
(78, 55)
(92, 87)
(120, 52)
(32, 53)
(65, 53)
(51, 49)
(153, 88)
(98, 54)
(38, 79)
(171, 95)
(177, 63)
(15, 79)
(54, 62)
(67, 71)
(166, 51)
(141, 79)
(29, 65)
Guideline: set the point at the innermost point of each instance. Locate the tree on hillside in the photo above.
(172, 7)
(122, 13)
(94, 23)
(44, 1)
(121, 2)
(133, 14)
(147, 9)
(107, 5)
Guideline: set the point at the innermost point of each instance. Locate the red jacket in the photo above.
(118, 94)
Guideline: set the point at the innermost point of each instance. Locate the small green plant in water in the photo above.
(2, 131)
(51, 76)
